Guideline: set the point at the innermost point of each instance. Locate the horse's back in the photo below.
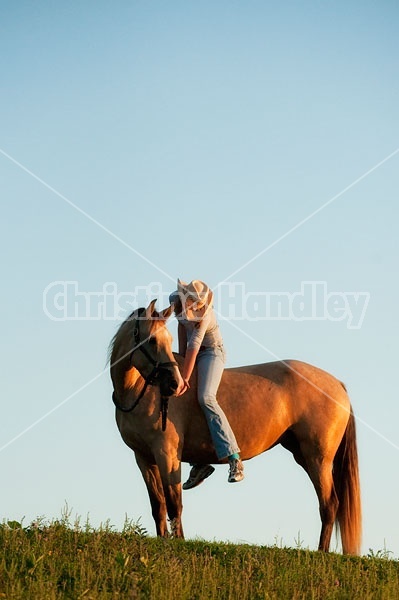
(264, 400)
(281, 371)
(276, 372)
(306, 382)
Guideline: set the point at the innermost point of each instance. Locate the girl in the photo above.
(200, 342)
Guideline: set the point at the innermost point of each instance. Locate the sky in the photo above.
(253, 145)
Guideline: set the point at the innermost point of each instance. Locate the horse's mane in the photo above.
(121, 333)
(125, 329)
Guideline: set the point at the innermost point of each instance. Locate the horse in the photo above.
(287, 402)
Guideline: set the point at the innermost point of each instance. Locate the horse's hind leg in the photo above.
(320, 472)
(152, 478)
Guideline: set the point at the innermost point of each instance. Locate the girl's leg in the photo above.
(210, 364)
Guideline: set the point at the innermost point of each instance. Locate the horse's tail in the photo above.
(347, 487)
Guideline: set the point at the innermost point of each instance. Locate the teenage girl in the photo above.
(201, 344)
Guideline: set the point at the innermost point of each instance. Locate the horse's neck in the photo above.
(132, 383)
(133, 379)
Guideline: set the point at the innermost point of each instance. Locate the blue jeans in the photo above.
(210, 365)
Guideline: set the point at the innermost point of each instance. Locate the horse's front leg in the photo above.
(170, 471)
(152, 478)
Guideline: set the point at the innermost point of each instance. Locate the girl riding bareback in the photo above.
(201, 344)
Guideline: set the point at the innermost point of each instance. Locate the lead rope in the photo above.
(164, 410)
(135, 403)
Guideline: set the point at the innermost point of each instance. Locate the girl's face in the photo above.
(191, 304)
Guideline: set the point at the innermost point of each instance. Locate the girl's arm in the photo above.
(189, 362)
(191, 351)
(182, 339)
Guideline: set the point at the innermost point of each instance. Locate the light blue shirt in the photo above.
(205, 332)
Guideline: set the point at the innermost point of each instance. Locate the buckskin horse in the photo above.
(289, 402)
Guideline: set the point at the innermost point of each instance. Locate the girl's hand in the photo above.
(182, 388)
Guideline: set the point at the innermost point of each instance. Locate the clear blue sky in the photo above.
(145, 141)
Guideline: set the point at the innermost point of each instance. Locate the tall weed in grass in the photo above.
(47, 561)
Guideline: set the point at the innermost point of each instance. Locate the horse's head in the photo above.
(152, 349)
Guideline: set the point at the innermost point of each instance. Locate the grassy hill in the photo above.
(60, 560)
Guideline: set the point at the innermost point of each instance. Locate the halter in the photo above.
(152, 378)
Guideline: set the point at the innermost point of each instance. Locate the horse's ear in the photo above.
(165, 314)
(150, 309)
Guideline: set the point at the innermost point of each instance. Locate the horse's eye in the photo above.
(152, 340)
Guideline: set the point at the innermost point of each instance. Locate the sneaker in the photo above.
(236, 472)
(197, 475)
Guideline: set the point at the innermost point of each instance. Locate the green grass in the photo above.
(59, 560)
